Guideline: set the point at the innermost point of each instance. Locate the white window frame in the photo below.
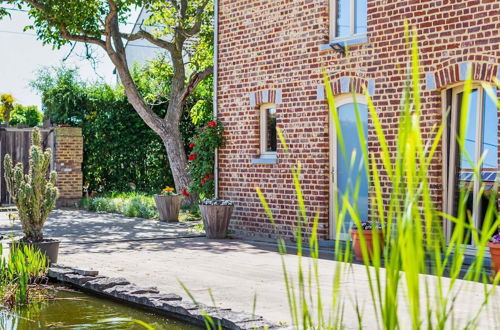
(263, 131)
(352, 19)
(448, 176)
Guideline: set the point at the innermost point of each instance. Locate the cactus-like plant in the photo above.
(33, 193)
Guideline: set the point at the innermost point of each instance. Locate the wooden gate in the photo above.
(17, 143)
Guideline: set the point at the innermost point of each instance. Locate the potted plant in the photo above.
(168, 203)
(34, 195)
(494, 245)
(216, 215)
(368, 230)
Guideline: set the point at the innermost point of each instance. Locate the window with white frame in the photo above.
(348, 18)
(480, 134)
(268, 136)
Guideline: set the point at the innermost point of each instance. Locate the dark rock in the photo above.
(133, 289)
(178, 307)
(79, 279)
(101, 284)
(86, 272)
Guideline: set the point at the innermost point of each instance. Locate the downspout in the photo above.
(215, 79)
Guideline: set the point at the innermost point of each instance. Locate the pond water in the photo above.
(69, 309)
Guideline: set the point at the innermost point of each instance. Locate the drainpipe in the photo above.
(216, 71)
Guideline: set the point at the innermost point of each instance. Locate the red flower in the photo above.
(212, 124)
(203, 181)
(206, 176)
(185, 192)
(191, 145)
(192, 157)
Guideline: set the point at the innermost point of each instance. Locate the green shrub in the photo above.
(135, 155)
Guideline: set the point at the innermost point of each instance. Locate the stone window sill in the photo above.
(265, 160)
(356, 39)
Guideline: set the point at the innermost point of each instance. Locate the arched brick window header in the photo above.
(348, 85)
(265, 96)
(457, 72)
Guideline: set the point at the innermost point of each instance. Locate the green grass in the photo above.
(400, 297)
(133, 204)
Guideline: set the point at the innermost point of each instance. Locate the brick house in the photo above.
(269, 73)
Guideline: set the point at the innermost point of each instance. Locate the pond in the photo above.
(70, 309)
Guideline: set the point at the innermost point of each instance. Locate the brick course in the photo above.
(276, 45)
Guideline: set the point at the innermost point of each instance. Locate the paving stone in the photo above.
(101, 284)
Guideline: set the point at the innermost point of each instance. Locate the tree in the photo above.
(27, 116)
(172, 24)
(7, 106)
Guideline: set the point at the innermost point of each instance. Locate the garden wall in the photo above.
(67, 157)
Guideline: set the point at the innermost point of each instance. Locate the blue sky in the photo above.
(21, 55)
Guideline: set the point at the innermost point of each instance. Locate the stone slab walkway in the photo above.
(78, 226)
(234, 271)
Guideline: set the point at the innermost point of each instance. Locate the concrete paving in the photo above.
(235, 272)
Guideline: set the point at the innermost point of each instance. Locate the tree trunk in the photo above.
(178, 160)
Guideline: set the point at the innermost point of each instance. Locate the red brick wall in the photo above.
(275, 44)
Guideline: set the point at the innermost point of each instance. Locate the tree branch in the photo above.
(64, 32)
(198, 21)
(142, 34)
(195, 80)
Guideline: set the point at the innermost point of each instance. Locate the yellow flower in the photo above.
(167, 189)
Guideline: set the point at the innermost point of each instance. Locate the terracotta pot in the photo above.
(495, 256)
(216, 219)
(168, 207)
(368, 235)
(49, 247)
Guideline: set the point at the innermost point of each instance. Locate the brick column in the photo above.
(68, 156)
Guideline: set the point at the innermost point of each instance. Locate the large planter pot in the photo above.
(49, 247)
(495, 256)
(368, 235)
(216, 219)
(168, 207)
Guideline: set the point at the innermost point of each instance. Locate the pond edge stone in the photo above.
(169, 304)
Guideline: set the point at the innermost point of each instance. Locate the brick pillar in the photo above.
(68, 156)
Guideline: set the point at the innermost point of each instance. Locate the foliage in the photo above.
(34, 195)
(26, 116)
(6, 107)
(63, 94)
(25, 266)
(399, 296)
(131, 204)
(135, 157)
(201, 159)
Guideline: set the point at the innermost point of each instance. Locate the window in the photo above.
(268, 138)
(348, 18)
(481, 140)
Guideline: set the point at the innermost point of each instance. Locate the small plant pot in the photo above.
(216, 219)
(495, 256)
(368, 235)
(49, 247)
(168, 207)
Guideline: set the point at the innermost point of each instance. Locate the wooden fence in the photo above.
(17, 143)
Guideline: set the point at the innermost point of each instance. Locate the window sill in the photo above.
(265, 160)
(356, 39)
